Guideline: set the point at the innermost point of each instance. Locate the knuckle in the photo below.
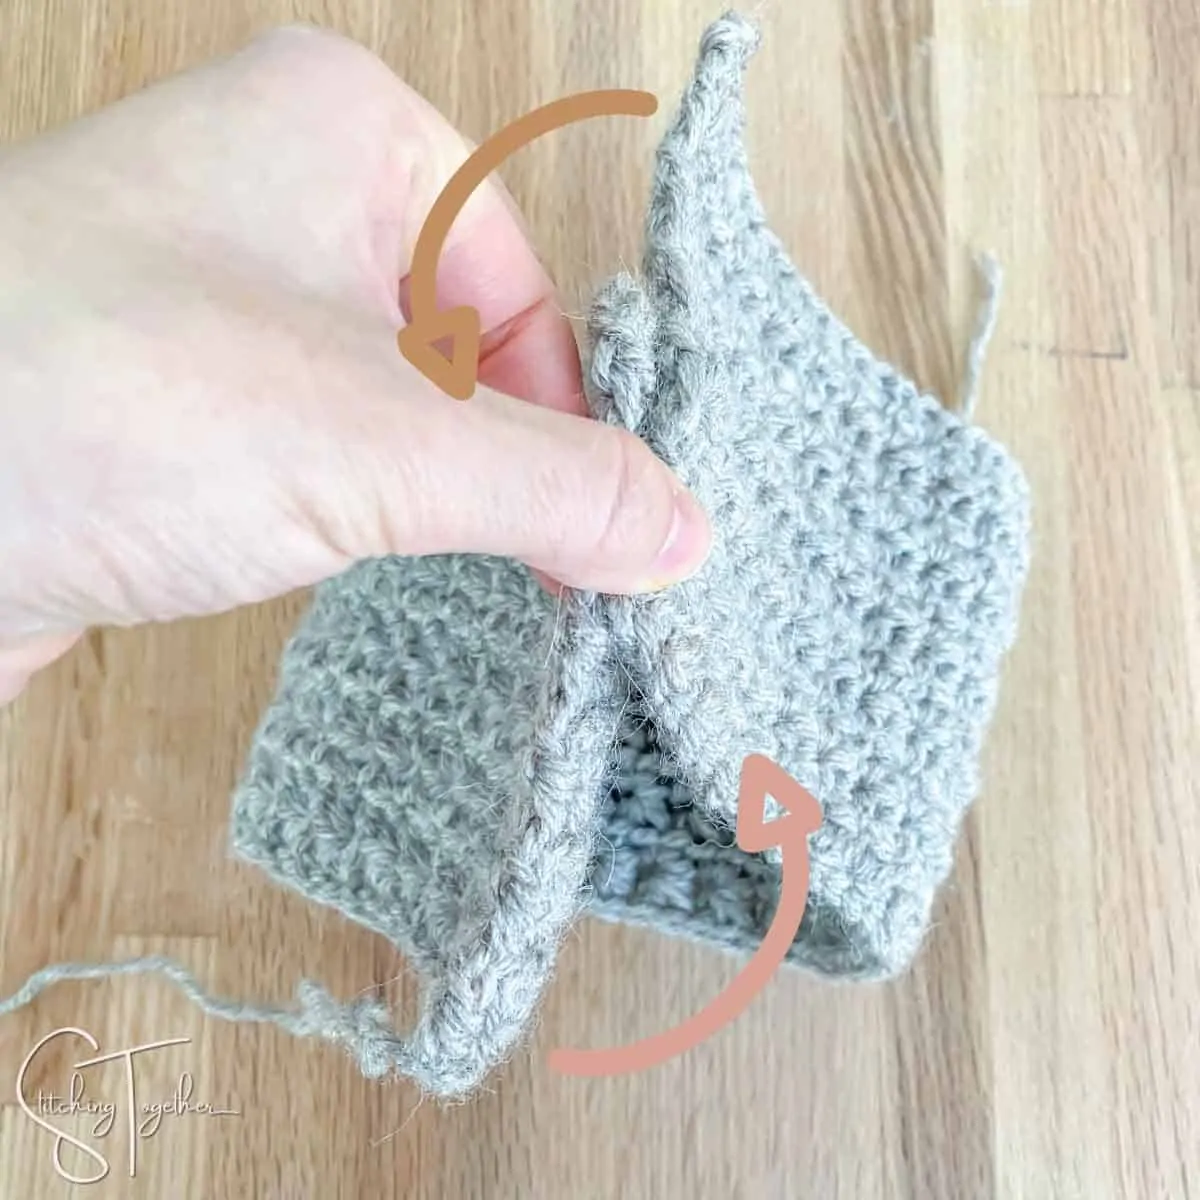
(295, 35)
(284, 41)
(301, 47)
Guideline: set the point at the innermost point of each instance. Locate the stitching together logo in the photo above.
(98, 1118)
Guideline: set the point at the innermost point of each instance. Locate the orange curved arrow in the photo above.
(801, 817)
(456, 372)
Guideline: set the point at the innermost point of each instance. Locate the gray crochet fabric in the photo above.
(463, 766)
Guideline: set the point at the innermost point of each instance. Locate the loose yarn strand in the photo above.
(362, 1026)
(992, 276)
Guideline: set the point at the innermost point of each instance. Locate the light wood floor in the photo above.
(1048, 1043)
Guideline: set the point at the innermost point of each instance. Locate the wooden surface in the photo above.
(1048, 1042)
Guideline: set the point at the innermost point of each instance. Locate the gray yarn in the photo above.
(363, 1026)
(992, 276)
(871, 549)
(433, 766)
(460, 764)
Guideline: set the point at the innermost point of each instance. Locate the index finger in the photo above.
(528, 348)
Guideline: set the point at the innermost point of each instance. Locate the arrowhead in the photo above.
(801, 816)
(454, 372)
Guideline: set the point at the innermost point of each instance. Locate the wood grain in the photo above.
(1047, 1044)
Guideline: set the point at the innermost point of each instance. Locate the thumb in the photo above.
(585, 503)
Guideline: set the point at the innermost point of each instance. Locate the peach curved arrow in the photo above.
(802, 816)
(457, 371)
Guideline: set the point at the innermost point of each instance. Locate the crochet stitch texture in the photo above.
(458, 762)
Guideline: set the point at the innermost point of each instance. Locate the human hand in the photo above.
(202, 404)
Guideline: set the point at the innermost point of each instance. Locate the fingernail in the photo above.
(687, 545)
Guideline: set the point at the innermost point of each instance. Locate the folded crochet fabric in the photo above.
(463, 765)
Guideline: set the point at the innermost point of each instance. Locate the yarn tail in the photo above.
(992, 276)
(316, 1013)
